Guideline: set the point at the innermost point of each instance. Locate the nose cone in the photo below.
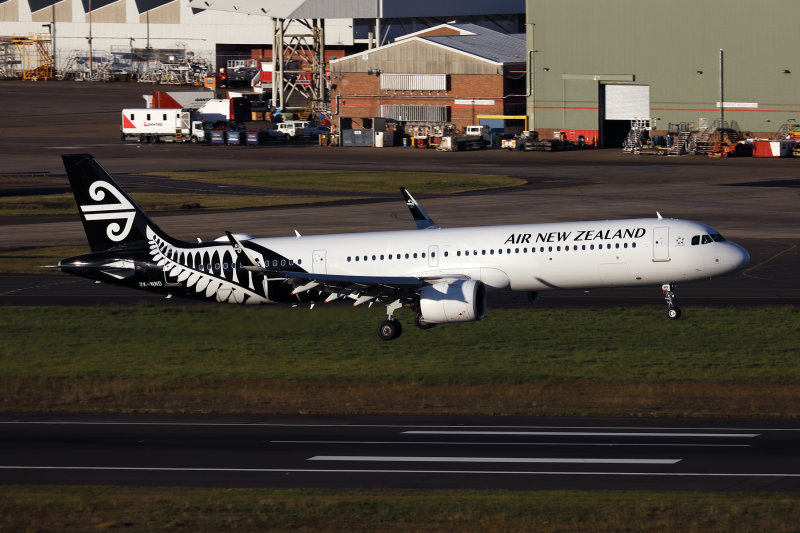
(739, 256)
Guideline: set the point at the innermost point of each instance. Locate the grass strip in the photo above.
(717, 362)
(64, 204)
(149, 509)
(31, 260)
(347, 180)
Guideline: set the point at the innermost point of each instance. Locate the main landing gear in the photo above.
(390, 328)
(673, 312)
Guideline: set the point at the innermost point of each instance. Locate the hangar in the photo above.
(451, 73)
(595, 65)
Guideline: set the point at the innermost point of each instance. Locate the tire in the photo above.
(389, 330)
(193, 139)
(674, 313)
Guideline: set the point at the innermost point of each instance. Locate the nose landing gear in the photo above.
(673, 311)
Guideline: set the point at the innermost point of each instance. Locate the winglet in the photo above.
(423, 220)
(245, 257)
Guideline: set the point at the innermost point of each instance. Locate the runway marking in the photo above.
(746, 272)
(456, 443)
(362, 471)
(580, 433)
(444, 429)
(560, 460)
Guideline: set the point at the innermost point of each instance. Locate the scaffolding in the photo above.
(29, 57)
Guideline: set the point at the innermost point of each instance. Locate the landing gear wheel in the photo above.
(674, 313)
(389, 330)
(420, 322)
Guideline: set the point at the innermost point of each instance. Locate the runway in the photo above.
(596, 454)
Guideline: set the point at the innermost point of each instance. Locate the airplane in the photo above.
(441, 274)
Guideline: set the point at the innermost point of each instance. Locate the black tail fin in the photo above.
(110, 217)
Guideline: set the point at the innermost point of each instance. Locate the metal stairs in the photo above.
(680, 144)
(637, 136)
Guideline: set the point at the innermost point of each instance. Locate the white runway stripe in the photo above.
(487, 443)
(559, 460)
(582, 434)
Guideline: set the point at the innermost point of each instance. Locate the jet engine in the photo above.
(455, 301)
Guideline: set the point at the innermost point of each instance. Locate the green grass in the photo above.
(31, 260)
(346, 180)
(63, 204)
(339, 343)
(224, 358)
(150, 509)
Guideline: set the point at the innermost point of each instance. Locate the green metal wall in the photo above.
(664, 45)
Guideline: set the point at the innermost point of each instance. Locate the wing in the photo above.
(362, 289)
(423, 220)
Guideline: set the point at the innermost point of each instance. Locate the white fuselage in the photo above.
(527, 257)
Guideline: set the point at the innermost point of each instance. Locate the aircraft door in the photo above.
(433, 256)
(661, 243)
(318, 262)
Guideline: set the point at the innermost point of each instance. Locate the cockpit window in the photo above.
(706, 239)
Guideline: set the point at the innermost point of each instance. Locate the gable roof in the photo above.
(470, 39)
(483, 42)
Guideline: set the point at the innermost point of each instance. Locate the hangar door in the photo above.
(621, 103)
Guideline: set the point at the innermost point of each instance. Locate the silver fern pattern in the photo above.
(203, 271)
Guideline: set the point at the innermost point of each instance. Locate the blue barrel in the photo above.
(233, 137)
(405, 142)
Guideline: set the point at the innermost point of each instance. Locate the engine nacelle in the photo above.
(456, 301)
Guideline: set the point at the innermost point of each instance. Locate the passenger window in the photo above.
(373, 258)
(491, 252)
(423, 255)
(356, 258)
(283, 262)
(415, 255)
(165, 116)
(381, 257)
(558, 248)
(406, 256)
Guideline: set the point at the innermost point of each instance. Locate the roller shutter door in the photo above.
(627, 102)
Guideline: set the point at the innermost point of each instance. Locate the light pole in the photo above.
(90, 41)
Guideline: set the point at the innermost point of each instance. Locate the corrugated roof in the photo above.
(485, 43)
(287, 9)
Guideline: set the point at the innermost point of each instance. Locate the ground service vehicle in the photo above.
(164, 125)
(477, 137)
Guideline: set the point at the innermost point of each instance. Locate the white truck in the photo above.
(300, 128)
(164, 125)
(477, 137)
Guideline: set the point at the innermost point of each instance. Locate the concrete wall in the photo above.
(674, 48)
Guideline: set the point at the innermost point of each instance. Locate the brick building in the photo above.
(460, 74)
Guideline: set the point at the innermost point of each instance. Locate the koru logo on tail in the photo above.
(122, 210)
